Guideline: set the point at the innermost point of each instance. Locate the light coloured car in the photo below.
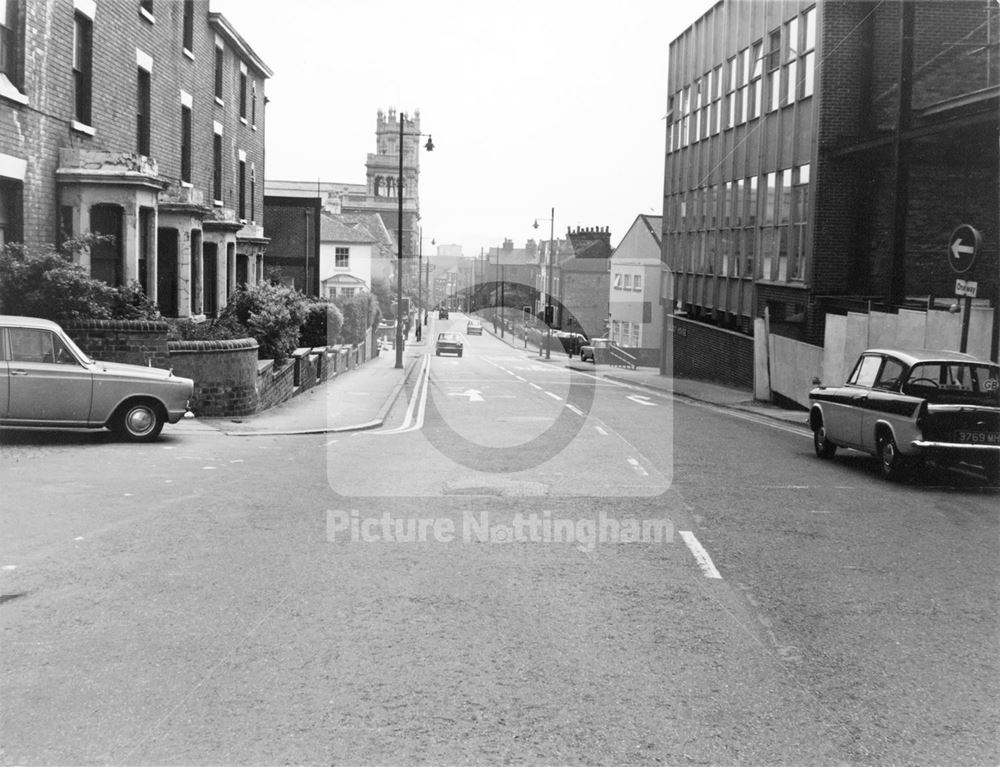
(474, 328)
(905, 406)
(449, 343)
(588, 350)
(46, 380)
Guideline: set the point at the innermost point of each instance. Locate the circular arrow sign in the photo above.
(962, 248)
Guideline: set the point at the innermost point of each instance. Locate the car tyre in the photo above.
(139, 420)
(891, 463)
(821, 444)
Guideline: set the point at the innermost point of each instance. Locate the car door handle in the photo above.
(19, 372)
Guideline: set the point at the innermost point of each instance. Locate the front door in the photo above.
(166, 271)
(211, 270)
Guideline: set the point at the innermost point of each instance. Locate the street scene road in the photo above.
(530, 560)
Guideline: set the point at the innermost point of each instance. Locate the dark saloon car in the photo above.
(448, 343)
(46, 380)
(442, 314)
(905, 406)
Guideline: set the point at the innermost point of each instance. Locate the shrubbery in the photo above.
(47, 284)
(273, 314)
(50, 285)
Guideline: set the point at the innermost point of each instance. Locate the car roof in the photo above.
(27, 322)
(913, 356)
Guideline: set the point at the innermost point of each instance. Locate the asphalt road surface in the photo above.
(527, 564)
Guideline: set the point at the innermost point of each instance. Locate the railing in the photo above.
(618, 357)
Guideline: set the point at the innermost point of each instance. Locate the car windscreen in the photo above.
(960, 382)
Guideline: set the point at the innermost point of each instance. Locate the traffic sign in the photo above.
(962, 248)
(966, 288)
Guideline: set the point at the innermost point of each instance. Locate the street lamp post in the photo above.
(399, 240)
(549, 314)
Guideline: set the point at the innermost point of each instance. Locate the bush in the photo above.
(360, 313)
(322, 326)
(222, 329)
(272, 314)
(47, 284)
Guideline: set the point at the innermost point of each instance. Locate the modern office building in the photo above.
(821, 156)
(141, 120)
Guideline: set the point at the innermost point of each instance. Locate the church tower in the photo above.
(383, 175)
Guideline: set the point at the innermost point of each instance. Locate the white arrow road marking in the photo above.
(575, 409)
(638, 467)
(642, 399)
(700, 555)
(472, 394)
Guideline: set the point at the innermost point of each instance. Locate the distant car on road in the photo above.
(905, 406)
(48, 381)
(474, 328)
(448, 343)
(587, 350)
(442, 314)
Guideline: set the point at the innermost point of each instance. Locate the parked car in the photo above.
(442, 314)
(46, 380)
(905, 406)
(587, 350)
(474, 328)
(572, 343)
(448, 343)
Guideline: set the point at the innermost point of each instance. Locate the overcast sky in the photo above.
(532, 105)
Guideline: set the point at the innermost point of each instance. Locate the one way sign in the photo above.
(962, 248)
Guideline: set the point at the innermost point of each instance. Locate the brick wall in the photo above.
(274, 384)
(293, 227)
(709, 353)
(224, 374)
(37, 132)
(134, 342)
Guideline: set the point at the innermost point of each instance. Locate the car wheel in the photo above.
(139, 421)
(824, 447)
(891, 463)
(460, 354)
(437, 354)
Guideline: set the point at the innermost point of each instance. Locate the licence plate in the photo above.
(978, 437)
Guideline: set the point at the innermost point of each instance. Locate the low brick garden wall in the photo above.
(228, 378)
(224, 374)
(132, 341)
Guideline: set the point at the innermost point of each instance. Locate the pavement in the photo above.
(361, 399)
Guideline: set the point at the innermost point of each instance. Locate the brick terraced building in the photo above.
(141, 119)
(821, 154)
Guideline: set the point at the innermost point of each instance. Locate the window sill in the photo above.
(220, 102)
(189, 54)
(217, 203)
(85, 129)
(187, 185)
(147, 15)
(10, 92)
(243, 120)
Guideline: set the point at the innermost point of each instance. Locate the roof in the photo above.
(221, 25)
(913, 356)
(28, 322)
(333, 228)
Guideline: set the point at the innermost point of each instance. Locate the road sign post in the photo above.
(962, 249)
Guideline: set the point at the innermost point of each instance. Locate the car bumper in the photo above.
(954, 447)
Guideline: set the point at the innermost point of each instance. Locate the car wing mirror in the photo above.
(816, 381)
